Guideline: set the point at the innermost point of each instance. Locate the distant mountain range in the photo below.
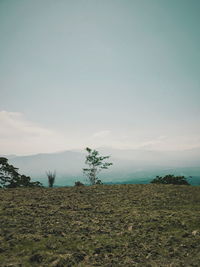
(129, 166)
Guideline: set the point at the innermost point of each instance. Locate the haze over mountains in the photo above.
(129, 166)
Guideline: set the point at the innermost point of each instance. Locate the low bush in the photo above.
(170, 179)
(78, 183)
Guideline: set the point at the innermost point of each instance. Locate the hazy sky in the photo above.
(124, 74)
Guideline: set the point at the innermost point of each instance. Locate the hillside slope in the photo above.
(121, 225)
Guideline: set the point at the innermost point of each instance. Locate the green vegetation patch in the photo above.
(101, 225)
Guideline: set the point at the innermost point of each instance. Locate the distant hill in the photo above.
(130, 166)
(67, 165)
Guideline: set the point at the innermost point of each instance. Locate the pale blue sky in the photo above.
(114, 73)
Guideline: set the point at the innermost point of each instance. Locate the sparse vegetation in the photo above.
(10, 178)
(118, 225)
(95, 165)
(51, 178)
(78, 183)
(170, 179)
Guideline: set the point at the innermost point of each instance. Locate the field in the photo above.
(105, 225)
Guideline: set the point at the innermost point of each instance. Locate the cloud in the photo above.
(153, 142)
(18, 135)
(102, 134)
(14, 124)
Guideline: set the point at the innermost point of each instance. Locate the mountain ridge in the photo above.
(127, 164)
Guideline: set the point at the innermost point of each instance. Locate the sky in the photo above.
(115, 73)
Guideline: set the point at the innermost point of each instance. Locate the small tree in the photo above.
(170, 179)
(10, 178)
(51, 178)
(95, 164)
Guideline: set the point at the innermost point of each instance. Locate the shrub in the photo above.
(78, 183)
(170, 179)
(99, 181)
(51, 178)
